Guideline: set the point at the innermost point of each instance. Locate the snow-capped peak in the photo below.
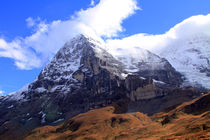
(133, 58)
(67, 59)
(191, 57)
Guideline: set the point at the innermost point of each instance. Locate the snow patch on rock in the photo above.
(132, 58)
(18, 95)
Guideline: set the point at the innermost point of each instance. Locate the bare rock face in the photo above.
(82, 76)
(139, 88)
(163, 71)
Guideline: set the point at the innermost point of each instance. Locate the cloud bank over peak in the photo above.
(186, 46)
(101, 20)
(189, 28)
(105, 19)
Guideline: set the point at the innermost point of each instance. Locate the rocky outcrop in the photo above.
(165, 99)
(139, 88)
(162, 72)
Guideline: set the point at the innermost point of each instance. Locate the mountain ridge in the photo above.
(84, 76)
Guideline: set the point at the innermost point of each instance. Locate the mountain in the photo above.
(190, 120)
(146, 64)
(82, 76)
(191, 57)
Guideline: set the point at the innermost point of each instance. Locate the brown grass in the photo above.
(104, 124)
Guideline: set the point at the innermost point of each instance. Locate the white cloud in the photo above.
(104, 19)
(24, 57)
(92, 3)
(31, 22)
(191, 26)
(1, 92)
(195, 25)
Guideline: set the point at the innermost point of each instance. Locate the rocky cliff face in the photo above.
(139, 88)
(81, 76)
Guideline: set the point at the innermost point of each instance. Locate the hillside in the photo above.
(190, 120)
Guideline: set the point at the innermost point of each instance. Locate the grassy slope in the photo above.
(191, 120)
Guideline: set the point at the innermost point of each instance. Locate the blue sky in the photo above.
(155, 17)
